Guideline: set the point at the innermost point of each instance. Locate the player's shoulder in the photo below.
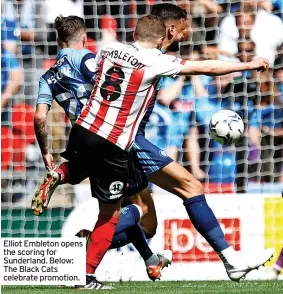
(113, 45)
(43, 81)
(160, 61)
(75, 56)
(44, 78)
(149, 53)
(147, 56)
(45, 90)
(158, 57)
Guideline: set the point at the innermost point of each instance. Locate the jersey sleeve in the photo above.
(167, 65)
(89, 67)
(44, 93)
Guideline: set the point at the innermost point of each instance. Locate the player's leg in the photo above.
(101, 237)
(144, 200)
(107, 167)
(99, 242)
(81, 222)
(138, 235)
(149, 221)
(82, 219)
(138, 185)
(155, 263)
(108, 174)
(177, 180)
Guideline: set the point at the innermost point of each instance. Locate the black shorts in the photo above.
(137, 180)
(104, 163)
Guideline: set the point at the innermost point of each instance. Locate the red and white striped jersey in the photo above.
(125, 83)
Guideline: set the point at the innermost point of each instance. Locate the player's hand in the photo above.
(48, 161)
(260, 64)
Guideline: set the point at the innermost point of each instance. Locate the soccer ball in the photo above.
(226, 127)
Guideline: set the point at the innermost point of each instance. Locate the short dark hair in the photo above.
(150, 27)
(69, 27)
(168, 11)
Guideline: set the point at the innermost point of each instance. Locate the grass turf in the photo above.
(200, 287)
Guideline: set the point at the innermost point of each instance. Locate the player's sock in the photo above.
(63, 171)
(130, 216)
(120, 240)
(138, 239)
(136, 236)
(205, 222)
(100, 241)
(278, 266)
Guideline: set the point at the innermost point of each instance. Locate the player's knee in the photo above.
(150, 234)
(149, 227)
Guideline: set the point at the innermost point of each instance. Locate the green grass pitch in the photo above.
(200, 287)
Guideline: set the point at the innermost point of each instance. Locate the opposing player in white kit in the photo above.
(105, 130)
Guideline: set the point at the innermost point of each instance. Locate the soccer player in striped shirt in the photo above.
(105, 130)
(70, 82)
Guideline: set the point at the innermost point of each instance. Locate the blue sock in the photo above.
(129, 217)
(136, 236)
(129, 230)
(120, 240)
(205, 222)
(138, 239)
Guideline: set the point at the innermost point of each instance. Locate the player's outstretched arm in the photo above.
(218, 67)
(40, 129)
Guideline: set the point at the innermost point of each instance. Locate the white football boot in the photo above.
(237, 269)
